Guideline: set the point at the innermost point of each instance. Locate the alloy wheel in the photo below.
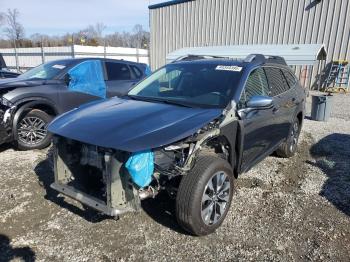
(32, 130)
(294, 136)
(215, 198)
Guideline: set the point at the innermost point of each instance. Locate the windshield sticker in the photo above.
(58, 66)
(229, 68)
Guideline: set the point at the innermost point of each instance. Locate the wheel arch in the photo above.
(231, 137)
(30, 104)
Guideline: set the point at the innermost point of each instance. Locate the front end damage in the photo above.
(103, 178)
(6, 112)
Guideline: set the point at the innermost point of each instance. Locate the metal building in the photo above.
(191, 23)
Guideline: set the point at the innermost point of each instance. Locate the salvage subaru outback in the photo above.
(190, 129)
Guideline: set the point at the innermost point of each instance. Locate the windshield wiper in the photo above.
(165, 101)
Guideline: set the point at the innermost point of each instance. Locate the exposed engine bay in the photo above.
(114, 182)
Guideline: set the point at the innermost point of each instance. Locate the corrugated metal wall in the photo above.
(234, 22)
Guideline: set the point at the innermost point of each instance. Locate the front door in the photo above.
(86, 84)
(259, 127)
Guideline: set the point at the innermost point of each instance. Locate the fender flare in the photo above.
(28, 104)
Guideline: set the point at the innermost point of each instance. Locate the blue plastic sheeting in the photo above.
(87, 77)
(148, 71)
(141, 166)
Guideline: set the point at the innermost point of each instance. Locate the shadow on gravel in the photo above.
(332, 155)
(44, 171)
(162, 210)
(8, 253)
(5, 147)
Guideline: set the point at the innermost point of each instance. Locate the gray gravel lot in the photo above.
(283, 210)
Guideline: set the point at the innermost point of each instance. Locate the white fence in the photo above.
(25, 58)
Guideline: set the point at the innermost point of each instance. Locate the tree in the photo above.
(2, 19)
(14, 29)
(99, 28)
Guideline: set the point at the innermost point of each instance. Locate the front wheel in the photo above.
(204, 195)
(290, 146)
(32, 131)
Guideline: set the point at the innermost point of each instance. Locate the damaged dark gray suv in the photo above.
(190, 129)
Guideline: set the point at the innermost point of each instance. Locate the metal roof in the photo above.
(303, 54)
(174, 2)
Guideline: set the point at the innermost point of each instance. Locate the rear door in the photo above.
(258, 124)
(283, 97)
(120, 78)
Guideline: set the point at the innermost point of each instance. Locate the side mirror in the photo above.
(260, 102)
(67, 79)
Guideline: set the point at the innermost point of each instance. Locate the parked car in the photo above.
(29, 102)
(4, 71)
(190, 128)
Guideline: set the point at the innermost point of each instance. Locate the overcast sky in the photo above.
(60, 16)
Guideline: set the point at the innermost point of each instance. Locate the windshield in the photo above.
(197, 85)
(47, 71)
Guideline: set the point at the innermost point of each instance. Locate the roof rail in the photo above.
(257, 58)
(190, 57)
(276, 60)
(260, 59)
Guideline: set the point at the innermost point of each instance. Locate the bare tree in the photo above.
(2, 19)
(14, 29)
(99, 28)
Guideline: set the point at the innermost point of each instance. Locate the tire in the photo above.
(31, 130)
(193, 191)
(289, 147)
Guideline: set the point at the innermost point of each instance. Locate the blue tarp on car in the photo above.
(87, 77)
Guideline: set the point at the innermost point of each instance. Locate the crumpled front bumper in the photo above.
(118, 194)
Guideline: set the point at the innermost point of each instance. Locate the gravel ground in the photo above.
(283, 210)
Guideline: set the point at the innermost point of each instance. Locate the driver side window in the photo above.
(256, 85)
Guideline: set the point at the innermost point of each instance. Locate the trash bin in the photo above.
(321, 107)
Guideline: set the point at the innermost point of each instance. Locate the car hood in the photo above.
(131, 125)
(18, 82)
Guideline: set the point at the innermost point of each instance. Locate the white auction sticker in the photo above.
(229, 68)
(58, 66)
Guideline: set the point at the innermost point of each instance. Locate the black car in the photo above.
(30, 101)
(189, 129)
(4, 73)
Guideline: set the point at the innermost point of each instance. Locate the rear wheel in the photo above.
(204, 195)
(290, 146)
(32, 131)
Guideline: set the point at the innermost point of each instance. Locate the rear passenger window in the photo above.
(117, 71)
(290, 78)
(277, 81)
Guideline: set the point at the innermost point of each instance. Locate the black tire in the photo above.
(21, 128)
(289, 147)
(191, 191)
